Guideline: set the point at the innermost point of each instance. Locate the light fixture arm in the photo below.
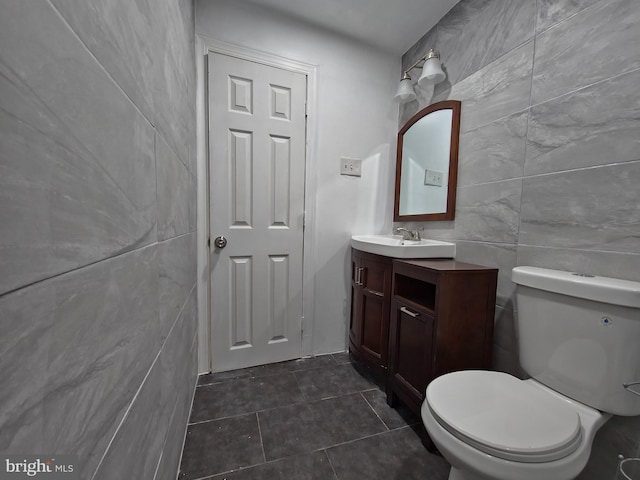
(430, 54)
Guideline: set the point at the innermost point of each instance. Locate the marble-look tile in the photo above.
(104, 339)
(498, 255)
(592, 209)
(393, 418)
(174, 77)
(474, 34)
(142, 431)
(310, 466)
(221, 445)
(26, 318)
(551, 12)
(154, 66)
(606, 264)
(564, 55)
(336, 420)
(607, 445)
(489, 212)
(506, 361)
(422, 46)
(504, 329)
(494, 151)
(395, 454)
(169, 463)
(93, 335)
(597, 125)
(497, 90)
(119, 38)
(177, 265)
(176, 194)
(175, 355)
(77, 166)
(236, 397)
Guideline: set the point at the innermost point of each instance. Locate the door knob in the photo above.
(220, 242)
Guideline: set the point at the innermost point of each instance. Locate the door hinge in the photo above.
(306, 109)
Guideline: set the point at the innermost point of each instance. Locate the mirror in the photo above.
(427, 164)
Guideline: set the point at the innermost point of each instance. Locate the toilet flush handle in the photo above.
(628, 386)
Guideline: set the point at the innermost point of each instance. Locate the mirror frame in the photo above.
(449, 214)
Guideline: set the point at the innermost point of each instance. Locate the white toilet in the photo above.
(579, 340)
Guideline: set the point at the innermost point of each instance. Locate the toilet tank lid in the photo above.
(599, 289)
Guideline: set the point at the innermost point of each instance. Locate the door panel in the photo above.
(257, 158)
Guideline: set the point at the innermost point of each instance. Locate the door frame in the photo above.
(204, 45)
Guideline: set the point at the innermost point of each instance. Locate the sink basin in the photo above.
(394, 246)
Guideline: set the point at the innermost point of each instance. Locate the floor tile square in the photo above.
(310, 466)
(221, 445)
(393, 418)
(306, 363)
(341, 357)
(301, 364)
(244, 395)
(333, 381)
(306, 427)
(398, 454)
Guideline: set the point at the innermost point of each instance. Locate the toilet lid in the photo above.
(504, 416)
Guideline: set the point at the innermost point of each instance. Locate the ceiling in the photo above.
(392, 25)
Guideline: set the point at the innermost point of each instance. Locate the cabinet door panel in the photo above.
(415, 338)
(373, 339)
(374, 277)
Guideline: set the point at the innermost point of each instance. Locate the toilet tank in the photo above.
(580, 336)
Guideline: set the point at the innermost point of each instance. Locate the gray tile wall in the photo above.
(549, 162)
(97, 237)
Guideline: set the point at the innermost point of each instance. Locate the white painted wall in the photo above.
(355, 116)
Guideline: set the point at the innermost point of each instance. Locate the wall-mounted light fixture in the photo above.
(431, 74)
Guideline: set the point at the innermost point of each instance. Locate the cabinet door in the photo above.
(376, 290)
(411, 347)
(355, 323)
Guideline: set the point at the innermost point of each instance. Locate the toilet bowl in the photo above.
(577, 339)
(491, 425)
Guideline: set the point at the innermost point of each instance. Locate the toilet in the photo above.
(579, 341)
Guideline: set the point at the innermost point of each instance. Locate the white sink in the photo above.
(395, 246)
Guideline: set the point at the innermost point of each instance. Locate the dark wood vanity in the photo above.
(418, 319)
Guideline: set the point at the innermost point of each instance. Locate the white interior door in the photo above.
(256, 166)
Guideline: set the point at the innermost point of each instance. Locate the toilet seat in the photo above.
(504, 416)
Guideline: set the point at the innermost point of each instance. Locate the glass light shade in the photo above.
(431, 72)
(405, 91)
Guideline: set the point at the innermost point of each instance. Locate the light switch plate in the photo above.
(433, 177)
(350, 166)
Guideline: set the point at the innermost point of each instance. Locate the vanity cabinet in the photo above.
(441, 320)
(370, 301)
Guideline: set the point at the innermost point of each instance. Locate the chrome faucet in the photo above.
(408, 234)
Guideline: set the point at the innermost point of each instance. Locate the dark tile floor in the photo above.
(311, 419)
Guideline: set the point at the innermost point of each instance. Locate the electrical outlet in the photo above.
(433, 177)
(350, 166)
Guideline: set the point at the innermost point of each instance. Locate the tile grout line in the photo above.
(374, 411)
(264, 455)
(326, 454)
(303, 402)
